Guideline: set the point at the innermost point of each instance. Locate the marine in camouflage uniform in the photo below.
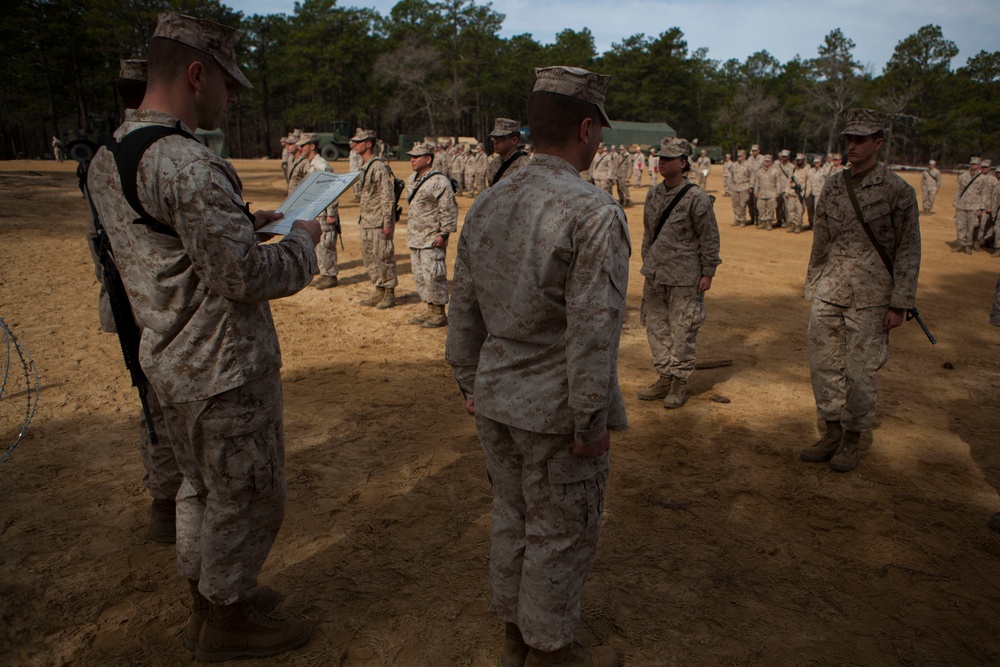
(679, 260)
(740, 175)
(814, 186)
(855, 300)
(475, 170)
(930, 183)
(354, 165)
(704, 168)
(968, 206)
(756, 162)
(505, 136)
(431, 218)
(199, 283)
(795, 193)
(458, 168)
(766, 185)
(727, 176)
(622, 174)
(378, 222)
(326, 250)
(538, 303)
(603, 169)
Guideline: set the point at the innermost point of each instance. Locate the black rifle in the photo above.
(914, 314)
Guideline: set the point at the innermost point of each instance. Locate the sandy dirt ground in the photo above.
(720, 547)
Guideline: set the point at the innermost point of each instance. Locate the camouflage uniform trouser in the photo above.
(605, 184)
(163, 478)
(622, 185)
(326, 250)
(929, 195)
(847, 346)
(547, 510)
(765, 212)
(430, 275)
(740, 207)
(965, 227)
(811, 208)
(793, 210)
(672, 317)
(378, 252)
(231, 450)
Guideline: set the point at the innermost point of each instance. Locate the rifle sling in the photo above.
(421, 182)
(503, 167)
(670, 209)
(969, 184)
(865, 226)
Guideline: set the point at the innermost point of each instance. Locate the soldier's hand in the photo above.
(310, 227)
(470, 406)
(705, 284)
(440, 242)
(262, 218)
(591, 449)
(893, 318)
(387, 231)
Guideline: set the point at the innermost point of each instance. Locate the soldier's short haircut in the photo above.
(554, 118)
(131, 92)
(169, 60)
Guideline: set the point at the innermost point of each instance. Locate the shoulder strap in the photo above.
(127, 153)
(973, 180)
(670, 209)
(368, 166)
(421, 182)
(864, 224)
(503, 167)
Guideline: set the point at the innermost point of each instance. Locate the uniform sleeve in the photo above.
(596, 285)
(447, 209)
(383, 182)
(650, 215)
(906, 265)
(707, 229)
(466, 327)
(203, 206)
(821, 244)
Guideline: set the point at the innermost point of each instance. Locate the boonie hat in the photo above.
(671, 147)
(575, 82)
(863, 122)
(132, 70)
(214, 39)
(420, 149)
(505, 126)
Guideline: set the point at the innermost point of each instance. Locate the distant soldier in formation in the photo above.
(969, 206)
(603, 168)
(653, 162)
(441, 161)
(756, 162)
(622, 174)
(458, 168)
(930, 183)
(354, 164)
(986, 219)
(766, 186)
(298, 167)
(740, 179)
(704, 167)
(378, 222)
(507, 159)
(326, 249)
(638, 163)
(285, 157)
(432, 217)
(785, 168)
(795, 193)
(475, 170)
(857, 297)
(814, 186)
(680, 252)
(727, 176)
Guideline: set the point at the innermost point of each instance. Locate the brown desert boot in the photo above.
(847, 457)
(241, 631)
(827, 445)
(264, 598)
(575, 655)
(163, 521)
(657, 390)
(513, 650)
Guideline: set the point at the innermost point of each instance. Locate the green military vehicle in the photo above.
(82, 144)
(334, 145)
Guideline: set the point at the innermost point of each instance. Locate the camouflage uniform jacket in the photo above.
(756, 163)
(297, 173)
(799, 177)
(704, 164)
(319, 163)
(740, 175)
(538, 303)
(815, 182)
(844, 268)
(355, 162)
(431, 212)
(687, 246)
(766, 183)
(931, 179)
(625, 167)
(458, 163)
(496, 161)
(442, 163)
(378, 199)
(200, 298)
(603, 167)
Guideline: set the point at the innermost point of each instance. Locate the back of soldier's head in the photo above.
(563, 97)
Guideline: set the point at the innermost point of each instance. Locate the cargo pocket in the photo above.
(250, 462)
(578, 488)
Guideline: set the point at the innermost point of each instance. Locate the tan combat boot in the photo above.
(264, 598)
(241, 631)
(827, 445)
(513, 650)
(420, 319)
(677, 396)
(574, 654)
(163, 521)
(325, 282)
(388, 299)
(657, 390)
(437, 317)
(375, 298)
(847, 457)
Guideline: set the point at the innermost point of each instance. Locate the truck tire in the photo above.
(81, 150)
(331, 152)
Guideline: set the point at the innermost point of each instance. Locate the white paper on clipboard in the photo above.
(314, 194)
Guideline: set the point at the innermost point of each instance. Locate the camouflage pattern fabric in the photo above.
(995, 309)
(430, 274)
(432, 213)
(231, 503)
(930, 183)
(494, 166)
(378, 202)
(326, 249)
(163, 477)
(739, 190)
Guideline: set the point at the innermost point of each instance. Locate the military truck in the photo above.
(82, 144)
(334, 145)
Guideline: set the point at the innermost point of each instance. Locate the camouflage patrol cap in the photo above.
(785, 153)
(863, 122)
(800, 156)
(214, 39)
(575, 82)
(768, 158)
(817, 160)
(503, 127)
(973, 160)
(420, 149)
(307, 138)
(363, 135)
(932, 163)
(836, 156)
(132, 70)
(755, 147)
(986, 163)
(671, 147)
(741, 153)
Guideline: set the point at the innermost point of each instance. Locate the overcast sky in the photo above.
(736, 29)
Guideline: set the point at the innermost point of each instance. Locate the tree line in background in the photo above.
(441, 68)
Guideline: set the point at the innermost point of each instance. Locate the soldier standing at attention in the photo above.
(638, 163)
(622, 173)
(727, 176)
(766, 186)
(814, 186)
(354, 164)
(795, 193)
(857, 296)
(199, 282)
(603, 169)
(299, 164)
(704, 166)
(326, 251)
(930, 183)
(507, 159)
(654, 161)
(680, 250)
(458, 168)
(378, 222)
(536, 314)
(432, 217)
(740, 176)
(968, 206)
(756, 162)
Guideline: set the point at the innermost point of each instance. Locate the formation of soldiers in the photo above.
(977, 201)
